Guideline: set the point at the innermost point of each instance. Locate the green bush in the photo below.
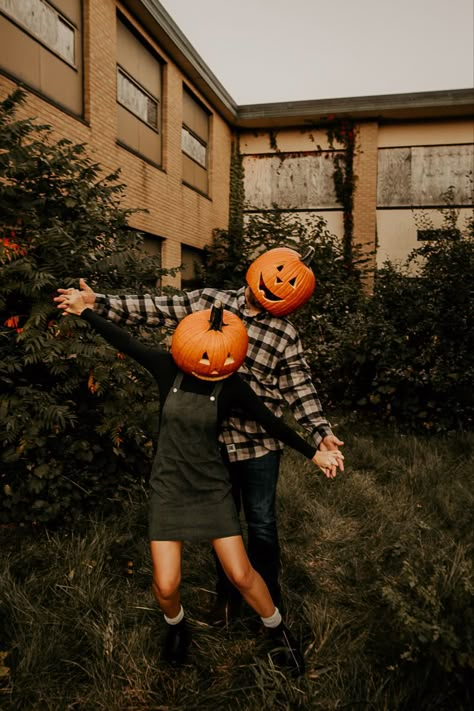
(75, 417)
(404, 353)
(416, 358)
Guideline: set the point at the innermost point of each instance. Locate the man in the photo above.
(277, 371)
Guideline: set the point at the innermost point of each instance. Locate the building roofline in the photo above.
(427, 104)
(161, 27)
(456, 103)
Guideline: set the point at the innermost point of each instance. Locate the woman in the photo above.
(191, 495)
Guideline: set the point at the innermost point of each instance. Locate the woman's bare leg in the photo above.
(166, 559)
(233, 557)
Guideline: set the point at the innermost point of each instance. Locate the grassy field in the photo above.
(377, 581)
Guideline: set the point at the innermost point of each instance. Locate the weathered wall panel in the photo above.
(298, 181)
(420, 175)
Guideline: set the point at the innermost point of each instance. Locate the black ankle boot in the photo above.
(285, 650)
(177, 640)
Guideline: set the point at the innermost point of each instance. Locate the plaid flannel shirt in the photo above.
(275, 366)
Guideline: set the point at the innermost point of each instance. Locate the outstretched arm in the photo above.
(74, 303)
(135, 309)
(328, 461)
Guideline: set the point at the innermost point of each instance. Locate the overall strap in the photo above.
(216, 390)
(177, 381)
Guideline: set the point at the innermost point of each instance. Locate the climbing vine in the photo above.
(237, 191)
(341, 135)
(343, 132)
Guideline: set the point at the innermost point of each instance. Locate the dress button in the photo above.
(175, 390)
(212, 398)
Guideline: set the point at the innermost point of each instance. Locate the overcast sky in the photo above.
(289, 50)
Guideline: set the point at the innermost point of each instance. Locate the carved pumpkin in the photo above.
(210, 344)
(281, 280)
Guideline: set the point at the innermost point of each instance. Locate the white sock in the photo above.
(274, 620)
(175, 620)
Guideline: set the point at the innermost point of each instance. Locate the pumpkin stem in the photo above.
(308, 256)
(217, 315)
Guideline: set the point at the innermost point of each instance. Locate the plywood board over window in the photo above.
(139, 90)
(195, 143)
(41, 45)
(301, 181)
(421, 175)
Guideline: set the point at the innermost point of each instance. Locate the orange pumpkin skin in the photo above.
(280, 280)
(210, 349)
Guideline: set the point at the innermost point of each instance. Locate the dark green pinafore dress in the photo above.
(191, 496)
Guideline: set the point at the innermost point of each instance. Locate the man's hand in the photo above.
(330, 443)
(88, 296)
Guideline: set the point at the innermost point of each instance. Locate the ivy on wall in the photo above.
(342, 139)
(343, 132)
(237, 191)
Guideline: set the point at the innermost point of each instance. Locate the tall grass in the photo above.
(377, 582)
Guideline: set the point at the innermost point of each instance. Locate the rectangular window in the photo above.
(131, 95)
(195, 143)
(191, 274)
(45, 23)
(139, 89)
(193, 147)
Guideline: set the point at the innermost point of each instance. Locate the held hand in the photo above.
(329, 462)
(87, 294)
(73, 302)
(330, 443)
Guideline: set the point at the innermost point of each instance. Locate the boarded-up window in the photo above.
(195, 143)
(303, 181)
(420, 175)
(45, 23)
(138, 94)
(41, 44)
(135, 99)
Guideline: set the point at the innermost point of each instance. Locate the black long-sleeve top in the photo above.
(234, 393)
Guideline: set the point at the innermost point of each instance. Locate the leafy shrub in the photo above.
(405, 353)
(74, 415)
(431, 604)
(416, 360)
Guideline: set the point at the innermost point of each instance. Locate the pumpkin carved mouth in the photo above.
(269, 295)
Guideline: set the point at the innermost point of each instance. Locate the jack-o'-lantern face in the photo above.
(210, 344)
(281, 280)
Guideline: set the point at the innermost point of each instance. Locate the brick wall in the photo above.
(365, 193)
(176, 213)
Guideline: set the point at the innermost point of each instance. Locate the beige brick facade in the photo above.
(365, 193)
(409, 147)
(177, 214)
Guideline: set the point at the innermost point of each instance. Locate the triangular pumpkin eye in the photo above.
(229, 360)
(292, 282)
(279, 267)
(278, 280)
(205, 359)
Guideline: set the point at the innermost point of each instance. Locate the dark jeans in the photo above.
(254, 485)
